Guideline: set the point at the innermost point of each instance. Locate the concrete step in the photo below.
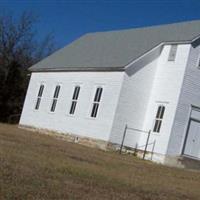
(189, 162)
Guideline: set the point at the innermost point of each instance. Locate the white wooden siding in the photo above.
(159, 82)
(166, 91)
(190, 95)
(81, 123)
(129, 97)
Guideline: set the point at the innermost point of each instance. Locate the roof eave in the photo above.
(76, 69)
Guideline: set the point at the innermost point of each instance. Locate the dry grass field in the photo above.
(36, 166)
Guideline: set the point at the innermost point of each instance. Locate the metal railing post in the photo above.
(122, 144)
(147, 142)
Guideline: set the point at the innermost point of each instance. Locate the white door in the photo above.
(192, 146)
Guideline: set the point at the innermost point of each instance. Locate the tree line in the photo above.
(20, 48)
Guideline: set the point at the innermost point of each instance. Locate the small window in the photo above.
(39, 97)
(172, 52)
(96, 102)
(159, 118)
(74, 100)
(55, 98)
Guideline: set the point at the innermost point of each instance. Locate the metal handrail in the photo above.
(139, 130)
(135, 129)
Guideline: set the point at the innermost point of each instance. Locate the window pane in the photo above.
(94, 110)
(162, 112)
(57, 90)
(37, 104)
(158, 112)
(97, 97)
(96, 94)
(159, 126)
(53, 106)
(76, 93)
(73, 107)
(41, 91)
(155, 126)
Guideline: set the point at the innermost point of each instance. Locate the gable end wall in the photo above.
(190, 95)
(159, 81)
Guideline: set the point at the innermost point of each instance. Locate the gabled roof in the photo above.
(113, 50)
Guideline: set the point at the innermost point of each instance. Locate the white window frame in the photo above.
(160, 112)
(39, 96)
(55, 98)
(96, 102)
(74, 100)
(172, 52)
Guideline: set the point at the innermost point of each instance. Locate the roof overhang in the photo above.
(79, 69)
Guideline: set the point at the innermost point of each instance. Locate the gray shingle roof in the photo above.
(115, 49)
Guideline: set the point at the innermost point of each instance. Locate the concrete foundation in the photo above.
(94, 143)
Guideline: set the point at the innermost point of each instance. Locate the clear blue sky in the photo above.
(69, 20)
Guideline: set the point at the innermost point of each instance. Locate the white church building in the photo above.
(145, 78)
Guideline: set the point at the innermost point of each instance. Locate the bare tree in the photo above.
(19, 47)
(18, 41)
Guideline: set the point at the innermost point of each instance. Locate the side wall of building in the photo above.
(81, 123)
(190, 95)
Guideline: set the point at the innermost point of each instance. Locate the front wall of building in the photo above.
(80, 123)
(166, 91)
(157, 83)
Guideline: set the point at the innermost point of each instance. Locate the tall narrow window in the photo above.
(55, 98)
(159, 118)
(74, 100)
(96, 101)
(172, 52)
(39, 97)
